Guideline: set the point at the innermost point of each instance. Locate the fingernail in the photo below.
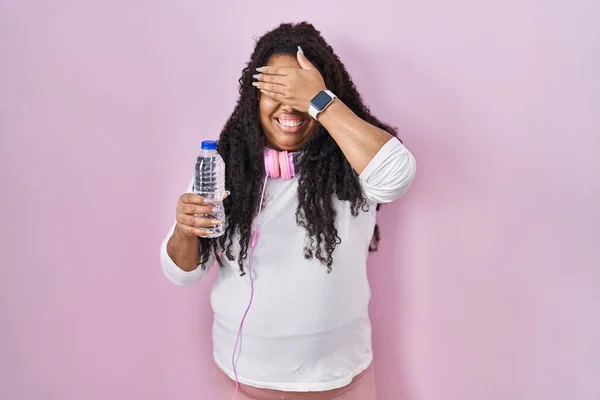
(255, 84)
(300, 50)
(208, 201)
(256, 76)
(215, 209)
(259, 69)
(227, 192)
(215, 222)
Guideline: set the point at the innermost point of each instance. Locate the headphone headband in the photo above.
(279, 163)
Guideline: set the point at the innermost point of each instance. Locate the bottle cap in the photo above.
(209, 145)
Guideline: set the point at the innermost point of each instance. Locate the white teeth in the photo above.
(290, 124)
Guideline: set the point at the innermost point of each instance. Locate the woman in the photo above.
(304, 305)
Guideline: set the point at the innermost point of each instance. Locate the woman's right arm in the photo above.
(179, 251)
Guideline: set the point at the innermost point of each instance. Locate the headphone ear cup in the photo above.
(272, 163)
(284, 165)
(292, 168)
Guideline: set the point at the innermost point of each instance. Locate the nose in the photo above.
(286, 108)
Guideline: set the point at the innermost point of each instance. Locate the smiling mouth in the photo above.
(290, 125)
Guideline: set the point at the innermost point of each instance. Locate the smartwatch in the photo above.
(320, 102)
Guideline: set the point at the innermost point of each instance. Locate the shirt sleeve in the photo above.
(175, 274)
(389, 174)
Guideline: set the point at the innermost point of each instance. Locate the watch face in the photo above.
(321, 100)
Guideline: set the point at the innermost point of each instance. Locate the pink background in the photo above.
(487, 285)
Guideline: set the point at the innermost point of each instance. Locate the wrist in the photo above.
(334, 114)
(320, 102)
(180, 235)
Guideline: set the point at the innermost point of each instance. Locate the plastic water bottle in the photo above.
(209, 182)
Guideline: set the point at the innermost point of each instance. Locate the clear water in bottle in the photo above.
(209, 182)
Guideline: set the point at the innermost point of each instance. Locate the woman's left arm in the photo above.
(359, 140)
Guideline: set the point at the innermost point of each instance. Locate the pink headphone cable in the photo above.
(252, 246)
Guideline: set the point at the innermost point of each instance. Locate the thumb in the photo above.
(303, 61)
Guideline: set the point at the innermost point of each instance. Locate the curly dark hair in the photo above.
(323, 170)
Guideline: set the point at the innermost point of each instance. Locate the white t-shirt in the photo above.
(307, 330)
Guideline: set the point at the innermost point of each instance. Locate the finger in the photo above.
(276, 96)
(226, 194)
(197, 222)
(191, 209)
(269, 87)
(192, 198)
(276, 79)
(192, 230)
(273, 70)
(303, 61)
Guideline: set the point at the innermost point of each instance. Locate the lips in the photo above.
(290, 122)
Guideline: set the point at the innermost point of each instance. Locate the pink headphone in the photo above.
(279, 163)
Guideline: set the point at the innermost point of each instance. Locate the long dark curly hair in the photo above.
(323, 171)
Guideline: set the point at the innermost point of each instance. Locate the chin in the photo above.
(289, 138)
(282, 144)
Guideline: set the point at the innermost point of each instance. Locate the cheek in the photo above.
(267, 107)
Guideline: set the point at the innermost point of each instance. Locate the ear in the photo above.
(303, 61)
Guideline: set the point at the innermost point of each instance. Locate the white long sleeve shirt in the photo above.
(307, 330)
